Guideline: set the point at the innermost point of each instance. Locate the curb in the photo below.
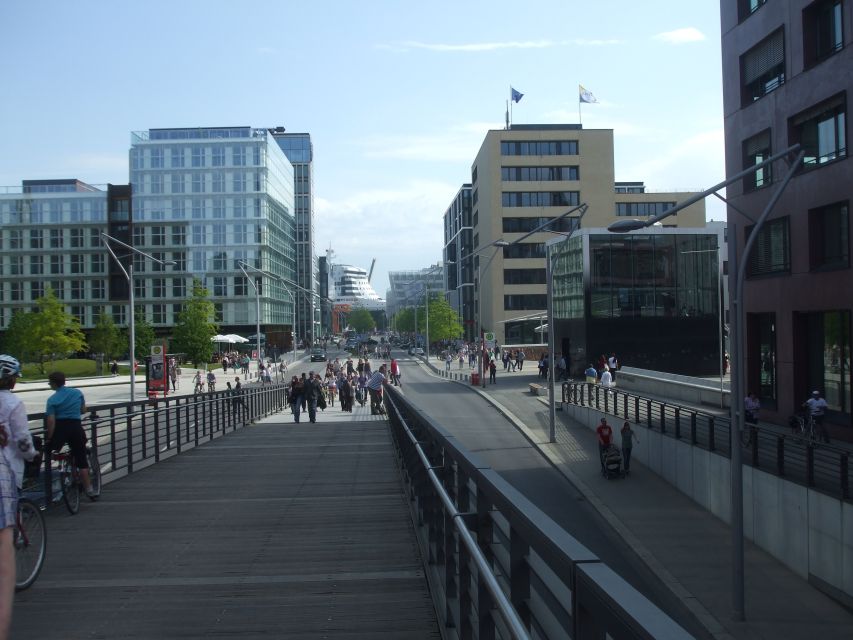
(704, 617)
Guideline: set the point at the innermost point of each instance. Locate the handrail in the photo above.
(819, 466)
(503, 568)
(127, 435)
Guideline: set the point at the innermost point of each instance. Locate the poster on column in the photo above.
(157, 370)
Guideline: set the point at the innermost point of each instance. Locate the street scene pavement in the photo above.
(685, 546)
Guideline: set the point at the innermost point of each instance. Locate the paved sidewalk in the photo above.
(684, 544)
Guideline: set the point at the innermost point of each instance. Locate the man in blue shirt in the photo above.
(63, 412)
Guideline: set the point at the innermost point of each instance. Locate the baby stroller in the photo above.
(612, 463)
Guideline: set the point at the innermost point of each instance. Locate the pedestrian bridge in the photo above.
(357, 526)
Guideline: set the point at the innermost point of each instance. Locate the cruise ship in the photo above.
(351, 285)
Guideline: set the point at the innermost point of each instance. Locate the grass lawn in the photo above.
(72, 368)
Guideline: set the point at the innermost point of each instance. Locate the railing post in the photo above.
(649, 414)
(625, 404)
(144, 429)
(678, 423)
(113, 452)
(663, 417)
(712, 446)
(169, 424)
(129, 432)
(753, 441)
(156, 434)
(693, 437)
(845, 477)
(178, 421)
(637, 409)
(780, 456)
(810, 463)
(519, 575)
(195, 422)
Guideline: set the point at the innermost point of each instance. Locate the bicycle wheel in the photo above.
(30, 544)
(70, 488)
(94, 473)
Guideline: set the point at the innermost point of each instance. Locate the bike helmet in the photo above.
(9, 366)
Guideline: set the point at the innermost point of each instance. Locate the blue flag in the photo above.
(515, 96)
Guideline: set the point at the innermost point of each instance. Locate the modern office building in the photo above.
(407, 288)
(653, 297)
(459, 259)
(299, 150)
(325, 299)
(50, 234)
(524, 176)
(209, 199)
(787, 79)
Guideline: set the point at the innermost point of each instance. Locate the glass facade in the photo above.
(208, 199)
(654, 298)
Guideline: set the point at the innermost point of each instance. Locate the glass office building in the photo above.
(208, 199)
(652, 297)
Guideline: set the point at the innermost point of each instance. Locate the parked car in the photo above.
(318, 355)
(416, 351)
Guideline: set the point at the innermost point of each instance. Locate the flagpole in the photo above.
(507, 115)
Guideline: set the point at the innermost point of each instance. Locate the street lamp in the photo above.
(243, 266)
(128, 274)
(736, 322)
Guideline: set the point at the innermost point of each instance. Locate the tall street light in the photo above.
(736, 322)
(128, 274)
(243, 266)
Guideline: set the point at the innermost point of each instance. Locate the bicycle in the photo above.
(211, 386)
(199, 387)
(30, 541)
(70, 484)
(804, 426)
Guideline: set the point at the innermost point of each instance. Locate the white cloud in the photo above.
(680, 36)
(457, 144)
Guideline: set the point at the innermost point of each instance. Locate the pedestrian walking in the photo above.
(493, 369)
(605, 439)
(296, 397)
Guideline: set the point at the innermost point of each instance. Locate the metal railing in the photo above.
(820, 466)
(498, 567)
(129, 436)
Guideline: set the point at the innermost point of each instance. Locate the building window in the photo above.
(98, 289)
(524, 276)
(239, 182)
(96, 263)
(16, 291)
(177, 157)
(642, 208)
(762, 68)
(180, 260)
(540, 198)
(138, 236)
(821, 131)
(198, 183)
(158, 235)
(158, 313)
(157, 263)
(239, 208)
(823, 34)
(77, 290)
(36, 241)
(747, 7)
(525, 302)
(241, 286)
(827, 340)
(179, 236)
(755, 151)
(198, 156)
(238, 156)
(158, 287)
(198, 231)
(525, 250)
(37, 290)
(79, 313)
(539, 148)
(56, 238)
(523, 225)
(139, 287)
(15, 239)
(220, 286)
(157, 158)
(218, 181)
(218, 208)
(16, 265)
(138, 262)
(771, 253)
(218, 157)
(36, 265)
(198, 208)
(177, 310)
(177, 183)
(829, 237)
(219, 235)
(76, 238)
(240, 233)
(539, 174)
(179, 288)
(76, 263)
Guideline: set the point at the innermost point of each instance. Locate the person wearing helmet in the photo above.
(16, 445)
(63, 425)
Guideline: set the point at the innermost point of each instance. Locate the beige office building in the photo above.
(528, 174)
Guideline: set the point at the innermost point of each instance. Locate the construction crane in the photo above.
(370, 273)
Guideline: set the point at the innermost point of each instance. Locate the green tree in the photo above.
(361, 320)
(143, 333)
(443, 321)
(195, 327)
(18, 339)
(404, 320)
(53, 331)
(105, 338)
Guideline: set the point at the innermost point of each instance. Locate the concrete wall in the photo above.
(808, 531)
(674, 387)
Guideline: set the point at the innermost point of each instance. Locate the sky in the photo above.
(397, 96)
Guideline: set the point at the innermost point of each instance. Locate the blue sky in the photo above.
(397, 96)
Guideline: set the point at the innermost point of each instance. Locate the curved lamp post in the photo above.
(737, 322)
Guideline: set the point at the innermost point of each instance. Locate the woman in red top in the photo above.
(605, 439)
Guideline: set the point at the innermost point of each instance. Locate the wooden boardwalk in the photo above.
(275, 531)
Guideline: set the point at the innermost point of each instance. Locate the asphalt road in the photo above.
(486, 432)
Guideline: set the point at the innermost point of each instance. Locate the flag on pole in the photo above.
(585, 96)
(515, 96)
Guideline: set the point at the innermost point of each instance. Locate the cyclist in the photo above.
(817, 408)
(211, 381)
(64, 426)
(16, 445)
(199, 385)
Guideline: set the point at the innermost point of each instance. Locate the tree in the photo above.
(361, 320)
(53, 331)
(195, 327)
(105, 338)
(404, 320)
(18, 339)
(443, 321)
(143, 334)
